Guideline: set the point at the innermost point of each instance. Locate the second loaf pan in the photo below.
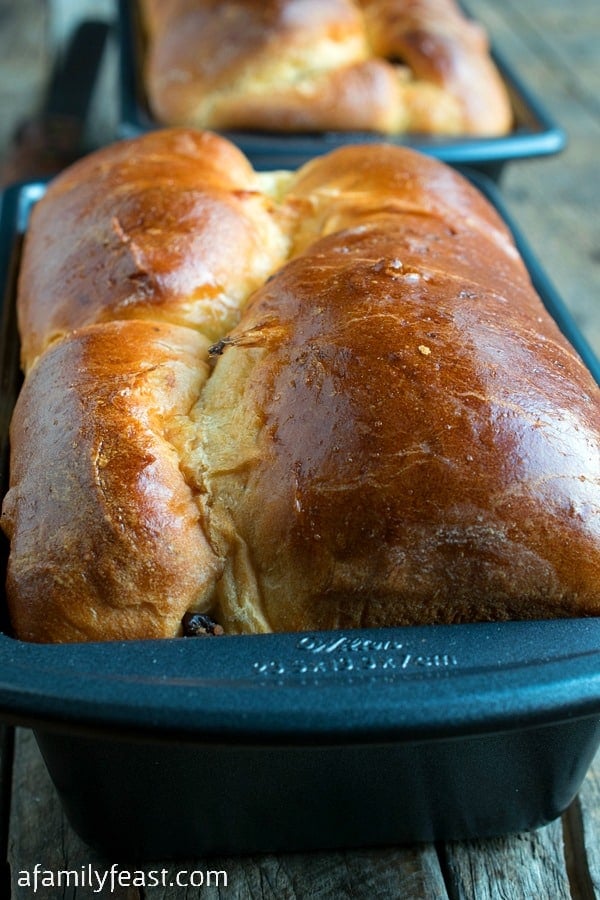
(281, 742)
(535, 133)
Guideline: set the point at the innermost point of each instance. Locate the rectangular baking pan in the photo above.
(535, 134)
(193, 746)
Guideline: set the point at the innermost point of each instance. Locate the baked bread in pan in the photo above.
(390, 66)
(289, 401)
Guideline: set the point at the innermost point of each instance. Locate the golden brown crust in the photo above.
(390, 66)
(106, 535)
(137, 231)
(424, 440)
(442, 47)
(392, 430)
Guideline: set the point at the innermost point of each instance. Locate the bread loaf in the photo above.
(390, 66)
(289, 401)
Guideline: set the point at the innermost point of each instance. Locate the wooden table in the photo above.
(554, 46)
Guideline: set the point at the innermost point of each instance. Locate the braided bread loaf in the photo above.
(390, 66)
(289, 401)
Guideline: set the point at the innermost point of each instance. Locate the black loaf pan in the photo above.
(535, 134)
(184, 747)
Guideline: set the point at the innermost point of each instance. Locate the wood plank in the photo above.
(517, 867)
(6, 759)
(566, 36)
(555, 199)
(562, 36)
(589, 809)
(403, 872)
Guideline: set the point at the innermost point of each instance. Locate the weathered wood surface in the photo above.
(555, 201)
(589, 818)
(554, 47)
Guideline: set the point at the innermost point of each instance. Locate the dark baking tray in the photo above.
(535, 133)
(179, 748)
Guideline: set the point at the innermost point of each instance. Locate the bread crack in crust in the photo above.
(288, 401)
(389, 66)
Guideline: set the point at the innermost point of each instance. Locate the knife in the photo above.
(44, 144)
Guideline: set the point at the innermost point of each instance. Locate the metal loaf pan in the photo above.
(179, 748)
(535, 133)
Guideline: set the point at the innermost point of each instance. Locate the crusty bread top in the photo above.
(390, 66)
(147, 230)
(380, 426)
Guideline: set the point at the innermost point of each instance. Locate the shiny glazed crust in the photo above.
(389, 66)
(320, 399)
